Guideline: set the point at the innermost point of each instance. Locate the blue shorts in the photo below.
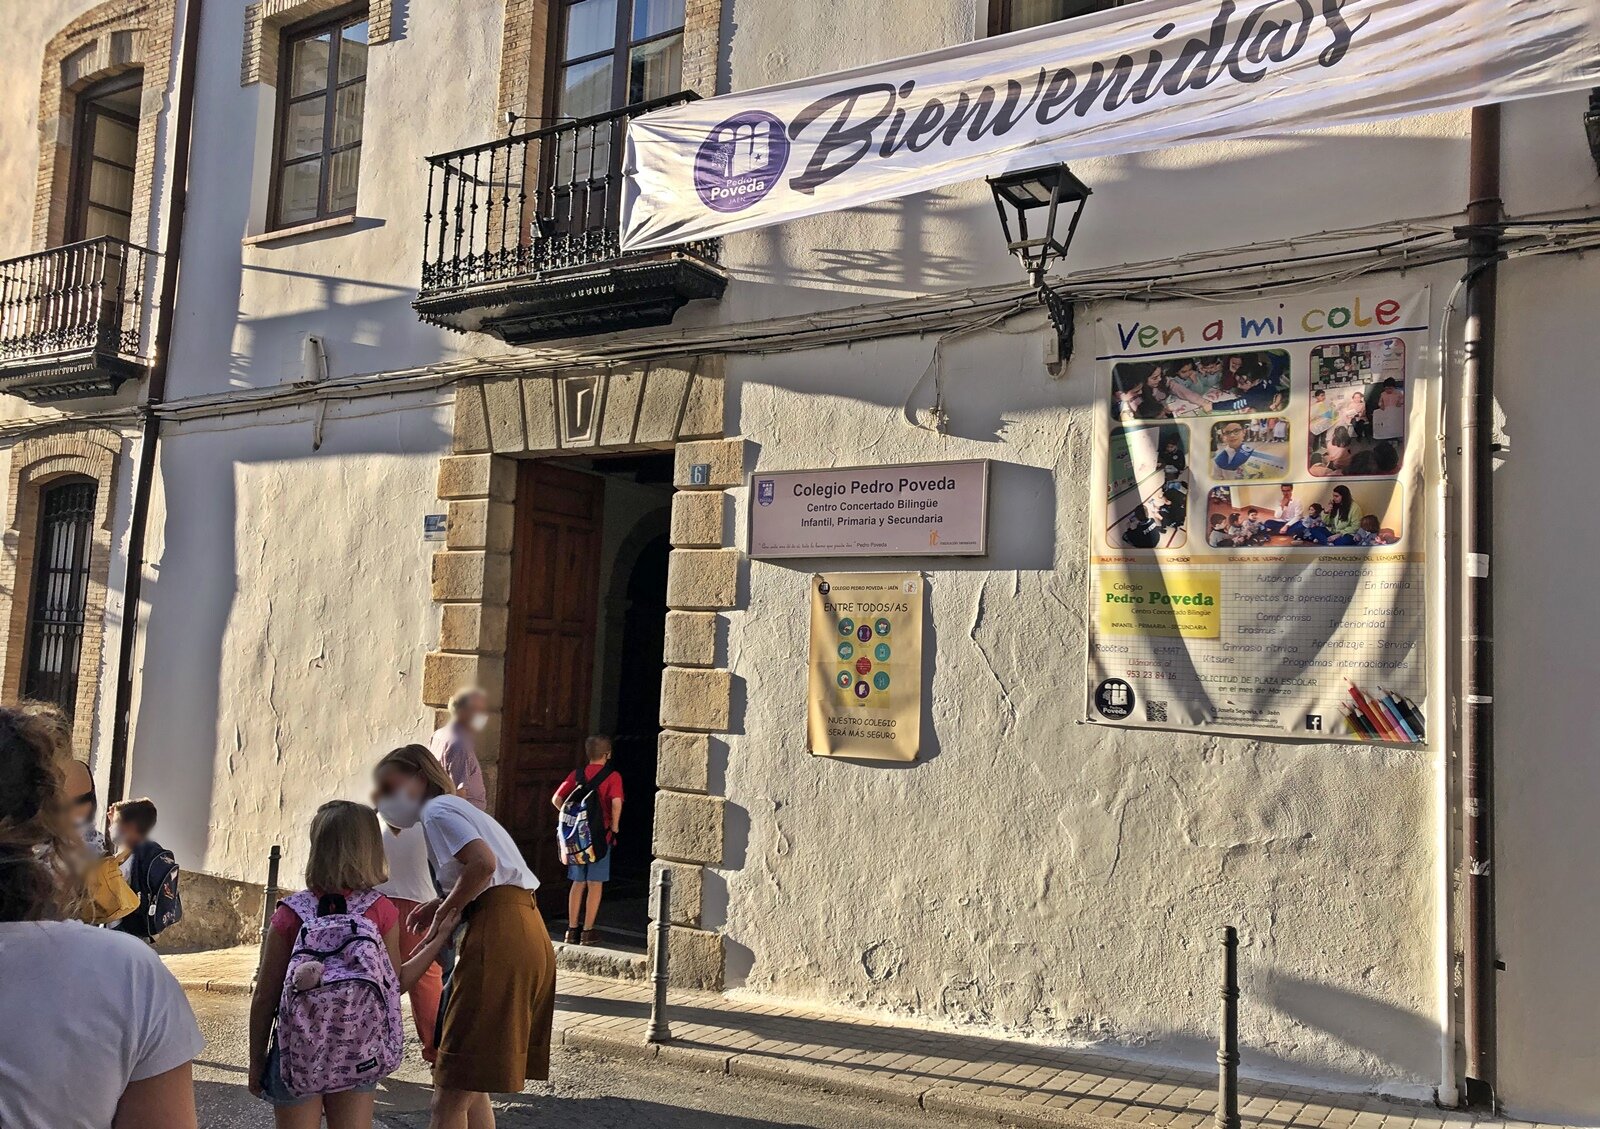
(598, 871)
(274, 1091)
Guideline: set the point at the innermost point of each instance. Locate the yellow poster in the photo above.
(864, 698)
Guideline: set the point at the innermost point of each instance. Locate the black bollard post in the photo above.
(658, 1031)
(1228, 1043)
(269, 901)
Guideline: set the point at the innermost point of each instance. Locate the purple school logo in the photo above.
(766, 491)
(741, 161)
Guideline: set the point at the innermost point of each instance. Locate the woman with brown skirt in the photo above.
(499, 994)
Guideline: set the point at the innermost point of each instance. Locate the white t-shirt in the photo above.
(87, 1012)
(450, 823)
(407, 853)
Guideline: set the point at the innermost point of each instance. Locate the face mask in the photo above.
(479, 722)
(400, 809)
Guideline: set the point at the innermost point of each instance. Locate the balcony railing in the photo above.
(537, 207)
(73, 319)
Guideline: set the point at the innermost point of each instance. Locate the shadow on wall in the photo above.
(358, 333)
(1234, 193)
(196, 608)
(1351, 1018)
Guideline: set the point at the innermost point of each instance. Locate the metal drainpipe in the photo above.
(150, 432)
(1475, 525)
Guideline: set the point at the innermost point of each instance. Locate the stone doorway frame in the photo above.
(672, 405)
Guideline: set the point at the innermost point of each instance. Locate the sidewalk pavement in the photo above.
(1009, 1082)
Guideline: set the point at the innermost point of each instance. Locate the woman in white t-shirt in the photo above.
(108, 1036)
(499, 1000)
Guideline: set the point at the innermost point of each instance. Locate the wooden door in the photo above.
(549, 655)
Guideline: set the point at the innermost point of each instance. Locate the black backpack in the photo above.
(155, 880)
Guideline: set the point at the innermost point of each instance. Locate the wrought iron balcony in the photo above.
(520, 238)
(73, 319)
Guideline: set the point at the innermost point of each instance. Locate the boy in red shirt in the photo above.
(588, 878)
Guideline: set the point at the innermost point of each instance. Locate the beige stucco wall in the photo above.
(288, 616)
(1032, 874)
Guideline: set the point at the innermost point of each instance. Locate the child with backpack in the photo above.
(590, 803)
(325, 1020)
(149, 869)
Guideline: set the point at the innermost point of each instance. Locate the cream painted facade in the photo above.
(1028, 876)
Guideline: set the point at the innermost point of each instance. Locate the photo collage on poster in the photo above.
(1212, 452)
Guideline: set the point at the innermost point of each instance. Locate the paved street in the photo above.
(587, 1090)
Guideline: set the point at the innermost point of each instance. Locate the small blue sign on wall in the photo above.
(433, 527)
(699, 474)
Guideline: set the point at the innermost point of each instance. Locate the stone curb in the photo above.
(849, 1083)
(220, 985)
(1010, 1111)
(935, 1098)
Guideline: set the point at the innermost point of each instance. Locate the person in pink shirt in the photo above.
(455, 743)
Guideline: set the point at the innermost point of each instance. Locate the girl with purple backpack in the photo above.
(325, 1020)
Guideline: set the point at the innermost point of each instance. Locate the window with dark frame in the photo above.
(104, 142)
(1014, 15)
(615, 53)
(322, 91)
(60, 592)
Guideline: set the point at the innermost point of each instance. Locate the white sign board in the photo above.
(1127, 80)
(918, 510)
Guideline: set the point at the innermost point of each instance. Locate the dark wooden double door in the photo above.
(550, 653)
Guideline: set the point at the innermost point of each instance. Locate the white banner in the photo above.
(1129, 79)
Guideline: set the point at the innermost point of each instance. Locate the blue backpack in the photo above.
(581, 831)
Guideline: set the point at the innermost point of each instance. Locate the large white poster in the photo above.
(1130, 79)
(1260, 517)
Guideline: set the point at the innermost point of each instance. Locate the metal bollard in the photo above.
(658, 1031)
(1228, 1043)
(269, 901)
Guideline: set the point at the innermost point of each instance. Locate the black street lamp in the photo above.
(1033, 207)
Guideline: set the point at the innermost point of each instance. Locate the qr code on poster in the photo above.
(1155, 711)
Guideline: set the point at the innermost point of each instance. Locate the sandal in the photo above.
(591, 937)
(573, 937)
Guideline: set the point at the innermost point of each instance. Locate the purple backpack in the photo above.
(339, 1015)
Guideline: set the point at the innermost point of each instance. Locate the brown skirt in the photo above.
(500, 997)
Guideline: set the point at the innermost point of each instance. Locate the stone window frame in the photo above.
(108, 40)
(37, 462)
(265, 21)
(669, 405)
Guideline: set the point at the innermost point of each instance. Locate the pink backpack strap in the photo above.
(303, 904)
(360, 903)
